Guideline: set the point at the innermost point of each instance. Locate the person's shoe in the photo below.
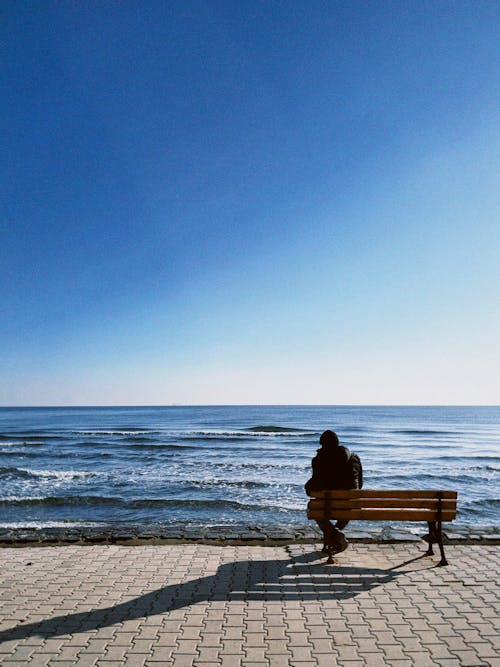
(340, 543)
(431, 538)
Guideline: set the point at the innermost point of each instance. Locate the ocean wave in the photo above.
(129, 432)
(238, 436)
(466, 457)
(278, 429)
(416, 480)
(21, 443)
(489, 502)
(159, 446)
(422, 431)
(142, 503)
(61, 475)
(221, 484)
(33, 438)
(484, 508)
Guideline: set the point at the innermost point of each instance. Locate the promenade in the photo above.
(206, 605)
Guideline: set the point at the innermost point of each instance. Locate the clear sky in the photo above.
(250, 202)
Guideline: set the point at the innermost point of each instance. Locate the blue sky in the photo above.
(252, 202)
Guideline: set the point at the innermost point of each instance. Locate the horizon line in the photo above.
(259, 405)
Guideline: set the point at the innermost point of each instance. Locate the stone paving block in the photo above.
(324, 660)
(184, 660)
(115, 653)
(484, 650)
(229, 661)
(20, 654)
(41, 660)
(211, 641)
(277, 647)
(88, 660)
(255, 639)
(341, 638)
(468, 658)
(301, 654)
(208, 653)
(439, 652)
(161, 653)
(299, 639)
(280, 660)
(190, 632)
(347, 653)
(421, 658)
(254, 626)
(213, 627)
(368, 645)
(255, 654)
(141, 646)
(166, 639)
(232, 646)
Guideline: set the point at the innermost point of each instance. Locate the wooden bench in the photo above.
(433, 507)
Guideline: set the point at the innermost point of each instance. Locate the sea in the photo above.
(224, 465)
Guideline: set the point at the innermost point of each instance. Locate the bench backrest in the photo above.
(384, 505)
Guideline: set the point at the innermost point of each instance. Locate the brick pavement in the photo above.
(248, 606)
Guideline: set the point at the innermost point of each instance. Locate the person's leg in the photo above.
(332, 535)
(328, 531)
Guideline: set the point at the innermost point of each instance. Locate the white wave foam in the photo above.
(147, 432)
(242, 434)
(49, 524)
(61, 475)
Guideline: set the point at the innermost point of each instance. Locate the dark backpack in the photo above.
(354, 472)
(344, 475)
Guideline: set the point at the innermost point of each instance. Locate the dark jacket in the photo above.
(335, 468)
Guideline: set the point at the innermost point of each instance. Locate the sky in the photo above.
(252, 202)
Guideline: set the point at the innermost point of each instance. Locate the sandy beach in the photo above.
(208, 605)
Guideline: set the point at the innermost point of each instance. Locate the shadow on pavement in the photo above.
(300, 578)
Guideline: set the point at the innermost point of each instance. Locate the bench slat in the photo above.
(384, 493)
(383, 515)
(361, 503)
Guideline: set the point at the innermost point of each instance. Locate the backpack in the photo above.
(344, 475)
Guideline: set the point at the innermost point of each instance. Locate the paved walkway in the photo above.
(252, 606)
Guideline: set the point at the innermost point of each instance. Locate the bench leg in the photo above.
(443, 560)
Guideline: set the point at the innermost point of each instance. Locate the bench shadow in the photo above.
(301, 577)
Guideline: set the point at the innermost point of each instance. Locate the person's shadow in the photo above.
(300, 578)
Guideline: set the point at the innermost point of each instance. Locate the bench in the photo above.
(433, 507)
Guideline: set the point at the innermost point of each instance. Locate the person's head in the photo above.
(328, 439)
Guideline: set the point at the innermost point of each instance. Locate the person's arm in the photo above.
(308, 485)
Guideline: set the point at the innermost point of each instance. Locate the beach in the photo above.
(251, 606)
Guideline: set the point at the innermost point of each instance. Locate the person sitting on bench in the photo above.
(334, 467)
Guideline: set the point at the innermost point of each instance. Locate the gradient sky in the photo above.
(250, 202)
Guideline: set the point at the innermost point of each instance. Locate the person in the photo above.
(334, 467)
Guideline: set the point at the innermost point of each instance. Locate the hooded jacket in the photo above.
(335, 467)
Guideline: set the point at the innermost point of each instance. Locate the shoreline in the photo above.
(241, 534)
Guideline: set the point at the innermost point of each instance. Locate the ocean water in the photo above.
(237, 464)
